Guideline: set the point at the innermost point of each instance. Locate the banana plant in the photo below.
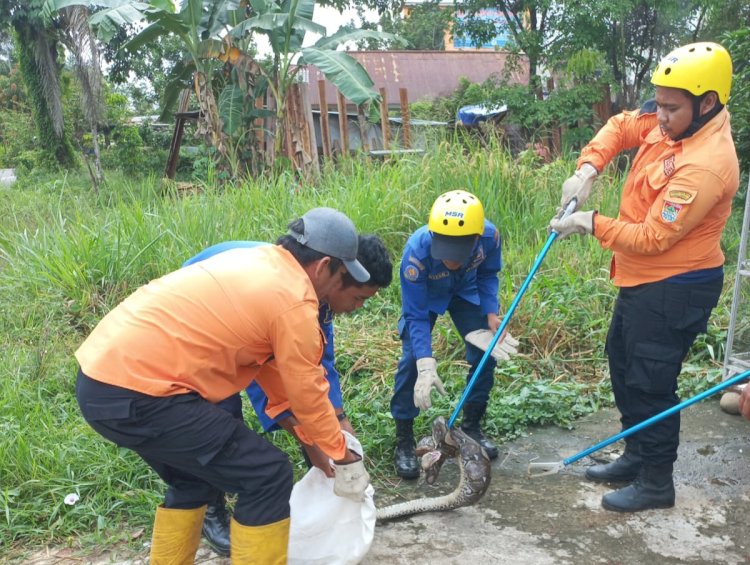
(202, 26)
(286, 24)
(199, 24)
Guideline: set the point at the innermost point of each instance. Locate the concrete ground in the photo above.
(557, 519)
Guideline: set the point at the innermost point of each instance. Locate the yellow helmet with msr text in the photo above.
(698, 68)
(456, 221)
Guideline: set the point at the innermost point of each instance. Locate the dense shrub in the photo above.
(738, 44)
(567, 107)
(17, 135)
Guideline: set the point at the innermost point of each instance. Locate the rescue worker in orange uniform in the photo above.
(154, 367)
(667, 260)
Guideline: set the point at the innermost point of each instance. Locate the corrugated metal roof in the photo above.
(425, 74)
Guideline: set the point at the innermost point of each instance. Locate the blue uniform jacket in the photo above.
(427, 285)
(257, 397)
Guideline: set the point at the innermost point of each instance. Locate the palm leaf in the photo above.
(110, 16)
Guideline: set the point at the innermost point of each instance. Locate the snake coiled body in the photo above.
(474, 470)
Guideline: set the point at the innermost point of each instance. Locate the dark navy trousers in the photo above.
(467, 317)
(652, 329)
(196, 447)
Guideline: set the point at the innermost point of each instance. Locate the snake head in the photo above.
(432, 462)
(439, 430)
(425, 445)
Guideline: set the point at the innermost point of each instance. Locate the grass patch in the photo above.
(67, 256)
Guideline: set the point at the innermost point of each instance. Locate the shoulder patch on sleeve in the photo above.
(417, 262)
(681, 195)
(411, 273)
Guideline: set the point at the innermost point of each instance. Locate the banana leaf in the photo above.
(344, 72)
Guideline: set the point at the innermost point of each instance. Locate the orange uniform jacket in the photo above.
(212, 328)
(675, 200)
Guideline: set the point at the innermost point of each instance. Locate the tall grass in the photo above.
(67, 257)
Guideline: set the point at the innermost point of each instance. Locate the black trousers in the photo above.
(197, 448)
(653, 327)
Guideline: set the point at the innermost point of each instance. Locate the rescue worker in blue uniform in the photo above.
(451, 264)
(373, 254)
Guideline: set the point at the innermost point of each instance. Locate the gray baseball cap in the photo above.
(330, 232)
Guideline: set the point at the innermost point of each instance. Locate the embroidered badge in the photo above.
(411, 273)
(669, 166)
(417, 262)
(669, 211)
(681, 196)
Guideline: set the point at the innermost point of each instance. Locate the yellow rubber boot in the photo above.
(177, 534)
(259, 545)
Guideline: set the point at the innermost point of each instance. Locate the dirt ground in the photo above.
(558, 519)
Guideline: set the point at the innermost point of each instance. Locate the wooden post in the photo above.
(343, 123)
(362, 123)
(179, 127)
(384, 125)
(309, 141)
(324, 131)
(258, 124)
(290, 117)
(405, 118)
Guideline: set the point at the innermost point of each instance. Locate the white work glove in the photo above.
(577, 222)
(578, 186)
(427, 378)
(503, 350)
(351, 481)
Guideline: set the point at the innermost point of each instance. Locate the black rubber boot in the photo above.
(405, 459)
(652, 488)
(624, 469)
(470, 423)
(216, 527)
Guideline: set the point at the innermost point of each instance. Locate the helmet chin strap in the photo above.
(698, 120)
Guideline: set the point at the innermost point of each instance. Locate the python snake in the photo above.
(474, 470)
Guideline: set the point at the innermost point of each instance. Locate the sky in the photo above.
(325, 16)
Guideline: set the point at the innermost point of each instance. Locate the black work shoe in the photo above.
(477, 435)
(624, 469)
(405, 460)
(652, 488)
(216, 528)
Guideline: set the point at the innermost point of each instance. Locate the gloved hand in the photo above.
(577, 222)
(503, 350)
(351, 480)
(427, 378)
(578, 186)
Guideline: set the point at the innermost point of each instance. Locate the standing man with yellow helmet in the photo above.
(667, 257)
(450, 264)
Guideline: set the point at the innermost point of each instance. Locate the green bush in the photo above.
(127, 150)
(569, 106)
(738, 44)
(17, 133)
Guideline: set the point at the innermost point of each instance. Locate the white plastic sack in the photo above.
(327, 529)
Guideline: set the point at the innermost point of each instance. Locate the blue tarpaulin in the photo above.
(473, 115)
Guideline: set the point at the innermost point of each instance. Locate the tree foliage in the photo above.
(529, 23)
(425, 27)
(738, 44)
(37, 48)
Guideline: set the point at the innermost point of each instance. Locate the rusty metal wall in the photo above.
(425, 74)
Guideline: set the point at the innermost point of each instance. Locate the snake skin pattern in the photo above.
(474, 470)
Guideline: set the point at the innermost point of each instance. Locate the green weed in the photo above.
(67, 256)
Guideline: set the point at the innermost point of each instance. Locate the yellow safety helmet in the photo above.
(697, 68)
(456, 220)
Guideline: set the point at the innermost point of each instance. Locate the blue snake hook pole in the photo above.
(569, 209)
